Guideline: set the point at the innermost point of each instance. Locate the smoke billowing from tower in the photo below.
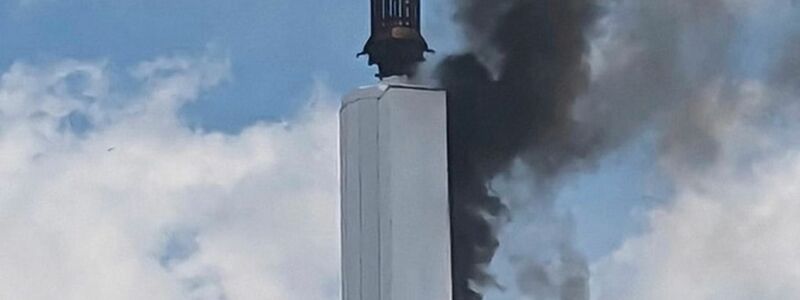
(511, 97)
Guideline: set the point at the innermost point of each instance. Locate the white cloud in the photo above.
(728, 146)
(108, 196)
(731, 230)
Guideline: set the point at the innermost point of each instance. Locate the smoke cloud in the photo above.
(527, 111)
(728, 143)
(728, 230)
(509, 97)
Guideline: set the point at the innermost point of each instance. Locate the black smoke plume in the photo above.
(511, 96)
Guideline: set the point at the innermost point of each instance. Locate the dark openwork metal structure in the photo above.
(396, 44)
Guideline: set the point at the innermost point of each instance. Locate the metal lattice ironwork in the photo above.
(396, 44)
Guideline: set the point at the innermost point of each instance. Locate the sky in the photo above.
(188, 149)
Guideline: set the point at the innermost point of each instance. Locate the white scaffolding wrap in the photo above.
(395, 215)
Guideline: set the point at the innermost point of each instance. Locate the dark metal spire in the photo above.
(396, 44)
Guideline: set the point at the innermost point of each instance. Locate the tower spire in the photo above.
(396, 44)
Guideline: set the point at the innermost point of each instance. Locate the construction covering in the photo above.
(395, 215)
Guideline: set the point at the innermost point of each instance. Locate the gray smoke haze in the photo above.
(660, 57)
(526, 108)
(786, 72)
(659, 63)
(727, 141)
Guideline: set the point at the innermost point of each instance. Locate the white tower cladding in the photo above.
(395, 213)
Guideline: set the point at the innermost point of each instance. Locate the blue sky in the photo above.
(276, 50)
(276, 47)
(268, 60)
